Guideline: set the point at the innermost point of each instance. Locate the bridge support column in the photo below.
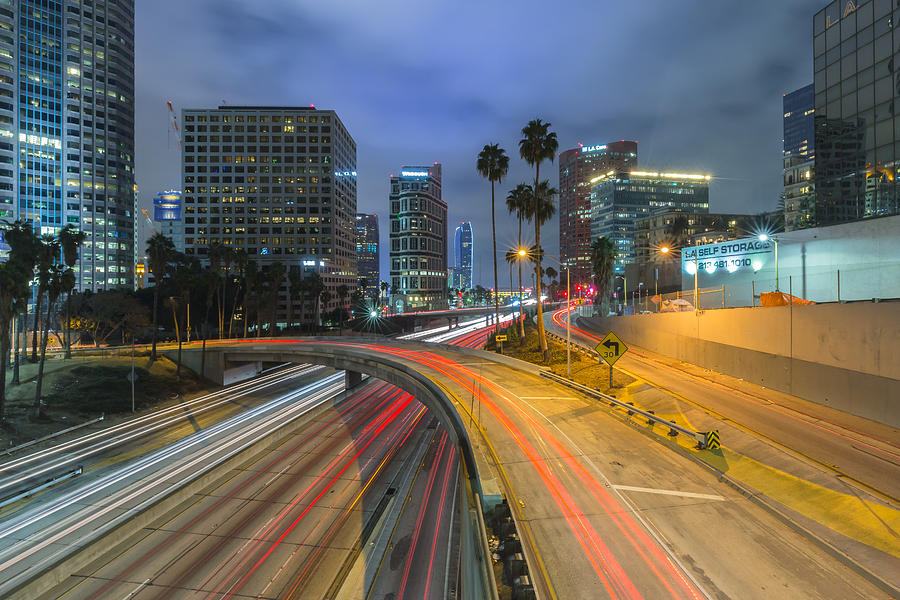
(352, 379)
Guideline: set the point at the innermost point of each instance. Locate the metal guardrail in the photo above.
(49, 483)
(674, 428)
(9, 451)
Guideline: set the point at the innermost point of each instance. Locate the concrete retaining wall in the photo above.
(846, 356)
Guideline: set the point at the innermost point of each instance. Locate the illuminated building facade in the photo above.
(367, 257)
(799, 158)
(856, 126)
(418, 240)
(619, 199)
(167, 217)
(463, 249)
(276, 182)
(67, 128)
(577, 167)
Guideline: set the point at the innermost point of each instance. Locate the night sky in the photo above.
(697, 84)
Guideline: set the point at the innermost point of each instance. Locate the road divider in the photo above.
(703, 438)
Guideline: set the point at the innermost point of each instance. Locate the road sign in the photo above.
(712, 440)
(501, 338)
(611, 348)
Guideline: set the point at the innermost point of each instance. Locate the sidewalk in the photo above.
(833, 475)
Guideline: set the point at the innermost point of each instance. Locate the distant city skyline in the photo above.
(445, 101)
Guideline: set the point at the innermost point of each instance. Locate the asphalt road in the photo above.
(603, 509)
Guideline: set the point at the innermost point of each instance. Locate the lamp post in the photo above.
(522, 253)
(764, 237)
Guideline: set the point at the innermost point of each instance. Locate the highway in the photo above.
(146, 432)
(859, 452)
(603, 510)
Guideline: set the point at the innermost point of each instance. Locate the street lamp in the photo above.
(764, 237)
(523, 252)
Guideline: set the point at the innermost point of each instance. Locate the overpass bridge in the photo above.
(601, 510)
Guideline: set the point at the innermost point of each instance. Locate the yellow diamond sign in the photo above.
(611, 348)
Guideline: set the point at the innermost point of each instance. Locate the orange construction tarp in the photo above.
(781, 299)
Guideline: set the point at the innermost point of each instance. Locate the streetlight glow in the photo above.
(523, 252)
(664, 249)
(764, 237)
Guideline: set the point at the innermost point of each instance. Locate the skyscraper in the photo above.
(799, 158)
(856, 130)
(67, 128)
(167, 217)
(418, 239)
(577, 167)
(277, 182)
(463, 249)
(618, 200)
(367, 257)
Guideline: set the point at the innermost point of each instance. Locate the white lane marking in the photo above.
(645, 521)
(136, 590)
(630, 488)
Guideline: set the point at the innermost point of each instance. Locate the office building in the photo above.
(463, 249)
(856, 131)
(367, 266)
(67, 128)
(577, 167)
(278, 182)
(619, 199)
(799, 158)
(418, 240)
(674, 228)
(167, 217)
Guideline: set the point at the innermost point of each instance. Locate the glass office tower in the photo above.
(463, 250)
(856, 122)
(67, 127)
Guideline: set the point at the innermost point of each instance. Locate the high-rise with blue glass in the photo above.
(67, 127)
(463, 250)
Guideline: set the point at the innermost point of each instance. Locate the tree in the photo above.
(159, 251)
(100, 314)
(70, 239)
(324, 299)
(603, 261)
(342, 292)
(47, 253)
(538, 144)
(251, 281)
(275, 273)
(57, 280)
(295, 289)
(314, 286)
(518, 201)
(493, 164)
(384, 290)
(240, 260)
(15, 275)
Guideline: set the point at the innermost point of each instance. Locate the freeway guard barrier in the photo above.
(705, 440)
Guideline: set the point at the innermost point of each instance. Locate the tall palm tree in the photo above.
(538, 144)
(517, 202)
(342, 292)
(384, 291)
(493, 164)
(603, 261)
(324, 299)
(48, 251)
(240, 259)
(295, 289)
(277, 271)
(159, 251)
(70, 238)
(314, 288)
(16, 273)
(58, 279)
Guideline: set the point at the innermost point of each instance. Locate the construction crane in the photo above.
(174, 122)
(149, 220)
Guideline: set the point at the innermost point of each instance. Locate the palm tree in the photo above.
(314, 288)
(551, 275)
(240, 259)
(159, 251)
(538, 144)
(251, 279)
(603, 261)
(324, 299)
(16, 274)
(48, 250)
(56, 281)
(342, 292)
(70, 239)
(276, 274)
(517, 201)
(295, 289)
(493, 164)
(384, 291)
